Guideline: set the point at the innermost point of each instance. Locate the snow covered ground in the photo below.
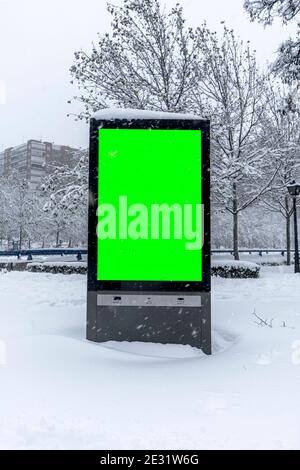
(58, 391)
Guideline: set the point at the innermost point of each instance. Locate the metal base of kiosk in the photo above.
(158, 318)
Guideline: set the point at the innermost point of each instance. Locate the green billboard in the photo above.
(149, 199)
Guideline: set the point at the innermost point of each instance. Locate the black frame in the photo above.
(147, 286)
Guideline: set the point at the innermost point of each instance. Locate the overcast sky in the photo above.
(37, 42)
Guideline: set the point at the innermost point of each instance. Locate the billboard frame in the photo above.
(147, 286)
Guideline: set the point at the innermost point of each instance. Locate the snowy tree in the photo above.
(152, 60)
(65, 193)
(266, 10)
(6, 211)
(258, 228)
(231, 92)
(221, 227)
(23, 208)
(282, 121)
(147, 61)
(287, 63)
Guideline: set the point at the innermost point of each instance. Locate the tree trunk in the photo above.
(235, 224)
(288, 240)
(21, 239)
(57, 238)
(235, 237)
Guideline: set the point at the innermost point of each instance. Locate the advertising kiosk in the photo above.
(149, 228)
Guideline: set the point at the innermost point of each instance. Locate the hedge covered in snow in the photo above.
(235, 269)
(58, 268)
(222, 268)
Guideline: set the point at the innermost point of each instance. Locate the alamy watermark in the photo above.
(295, 357)
(3, 358)
(155, 222)
(3, 92)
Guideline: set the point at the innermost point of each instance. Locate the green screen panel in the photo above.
(148, 167)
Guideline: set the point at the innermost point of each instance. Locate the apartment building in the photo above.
(34, 160)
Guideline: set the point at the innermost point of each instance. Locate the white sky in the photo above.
(37, 41)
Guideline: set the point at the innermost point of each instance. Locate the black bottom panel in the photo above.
(157, 324)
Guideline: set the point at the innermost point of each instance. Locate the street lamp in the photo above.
(294, 191)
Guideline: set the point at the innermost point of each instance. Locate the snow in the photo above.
(233, 263)
(65, 260)
(118, 113)
(60, 263)
(59, 391)
(270, 258)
